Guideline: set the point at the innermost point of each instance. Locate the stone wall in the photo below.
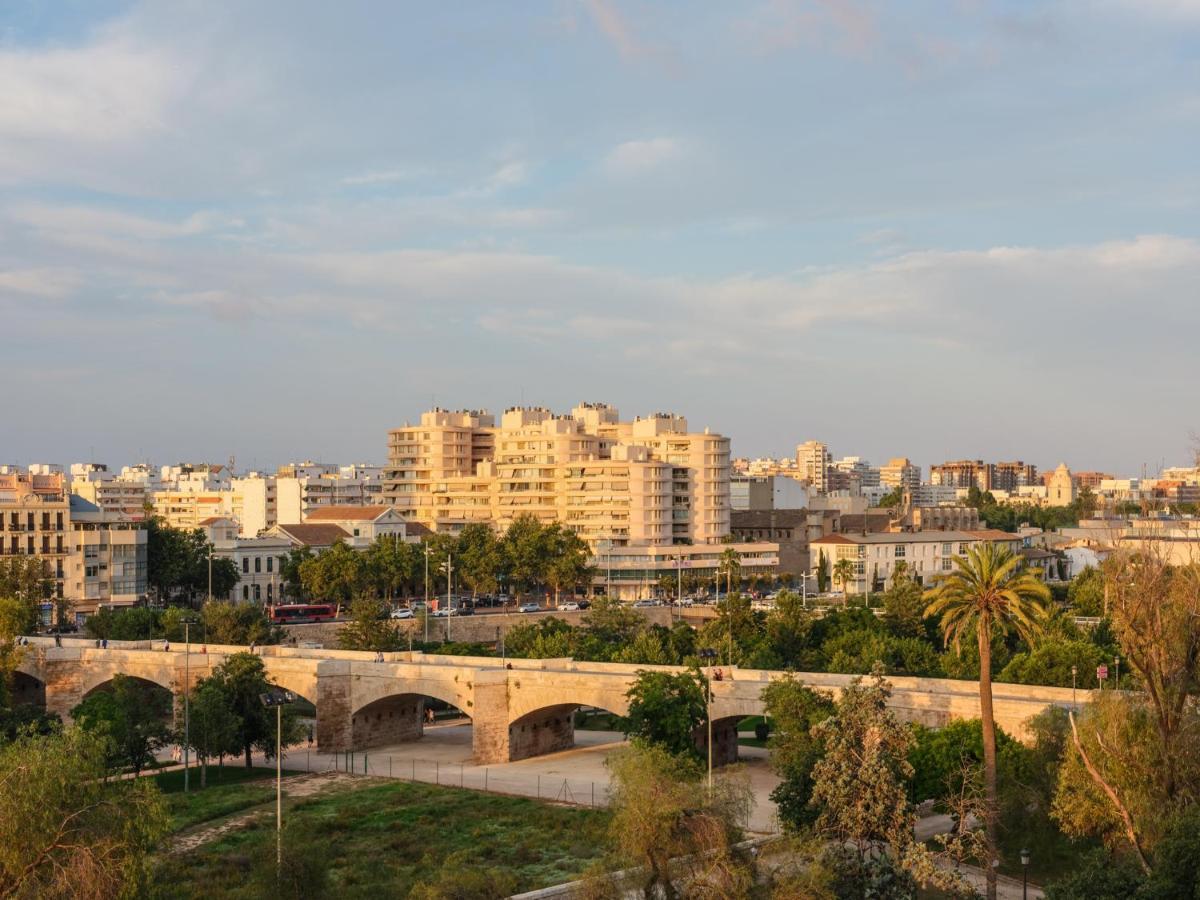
(548, 731)
(393, 720)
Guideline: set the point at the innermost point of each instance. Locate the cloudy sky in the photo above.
(940, 229)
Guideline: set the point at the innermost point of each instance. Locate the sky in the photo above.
(274, 230)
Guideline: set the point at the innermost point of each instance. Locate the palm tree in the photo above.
(989, 592)
(843, 571)
(730, 564)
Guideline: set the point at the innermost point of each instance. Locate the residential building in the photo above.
(362, 524)
(1009, 476)
(901, 473)
(318, 536)
(926, 554)
(249, 499)
(1001, 476)
(649, 480)
(107, 565)
(35, 521)
(1090, 480)
(766, 492)
(934, 495)
(813, 461)
(300, 487)
(257, 560)
(96, 484)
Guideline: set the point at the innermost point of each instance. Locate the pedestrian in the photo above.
(204, 649)
(310, 735)
(253, 644)
(378, 656)
(104, 643)
(97, 643)
(429, 714)
(166, 646)
(58, 640)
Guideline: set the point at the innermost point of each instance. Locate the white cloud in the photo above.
(636, 157)
(384, 176)
(42, 283)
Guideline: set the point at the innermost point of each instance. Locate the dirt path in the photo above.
(295, 788)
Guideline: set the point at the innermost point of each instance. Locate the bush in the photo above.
(762, 731)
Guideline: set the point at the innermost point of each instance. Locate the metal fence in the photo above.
(520, 783)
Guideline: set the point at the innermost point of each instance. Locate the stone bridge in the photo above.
(518, 708)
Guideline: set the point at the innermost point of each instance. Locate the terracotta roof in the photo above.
(834, 539)
(212, 519)
(345, 513)
(994, 534)
(314, 535)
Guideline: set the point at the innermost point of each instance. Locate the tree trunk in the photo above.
(250, 764)
(989, 751)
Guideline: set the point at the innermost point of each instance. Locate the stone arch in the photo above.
(103, 681)
(375, 690)
(28, 690)
(392, 719)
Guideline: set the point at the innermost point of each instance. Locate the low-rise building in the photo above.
(107, 566)
(363, 524)
(35, 521)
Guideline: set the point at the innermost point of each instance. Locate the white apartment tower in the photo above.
(814, 461)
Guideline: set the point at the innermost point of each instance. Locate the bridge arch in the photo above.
(28, 690)
(102, 680)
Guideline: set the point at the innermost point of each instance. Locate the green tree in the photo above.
(1086, 593)
(212, 731)
(27, 579)
(843, 573)
(177, 563)
(337, 575)
(1050, 662)
(392, 565)
(238, 624)
(526, 552)
(369, 627)
(132, 719)
(822, 572)
(789, 629)
(243, 680)
(680, 837)
(989, 592)
(479, 556)
(567, 564)
(611, 622)
(67, 832)
(904, 605)
(736, 631)
(289, 573)
(667, 708)
(729, 566)
(795, 710)
(892, 498)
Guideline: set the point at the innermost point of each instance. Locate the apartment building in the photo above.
(362, 524)
(765, 492)
(257, 560)
(926, 554)
(1001, 476)
(300, 487)
(901, 473)
(647, 481)
(250, 499)
(96, 484)
(35, 521)
(813, 462)
(107, 565)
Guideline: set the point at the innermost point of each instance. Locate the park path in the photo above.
(295, 787)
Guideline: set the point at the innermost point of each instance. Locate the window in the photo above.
(962, 549)
(270, 563)
(947, 549)
(246, 564)
(258, 564)
(245, 592)
(901, 550)
(258, 592)
(269, 586)
(947, 563)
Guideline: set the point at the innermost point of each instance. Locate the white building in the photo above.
(301, 487)
(813, 461)
(257, 560)
(363, 524)
(106, 564)
(760, 492)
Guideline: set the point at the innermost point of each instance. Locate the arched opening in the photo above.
(724, 738)
(305, 711)
(28, 691)
(402, 718)
(145, 691)
(563, 726)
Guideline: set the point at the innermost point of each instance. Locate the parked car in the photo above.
(529, 608)
(444, 612)
(643, 604)
(402, 612)
(418, 606)
(465, 609)
(584, 604)
(568, 606)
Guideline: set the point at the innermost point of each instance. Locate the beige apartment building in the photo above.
(814, 461)
(35, 521)
(250, 500)
(647, 481)
(97, 485)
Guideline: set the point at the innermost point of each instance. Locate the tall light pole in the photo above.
(278, 699)
(187, 690)
(1074, 672)
(1024, 875)
(427, 592)
(709, 654)
(449, 581)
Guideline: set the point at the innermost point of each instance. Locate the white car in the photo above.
(402, 612)
(567, 606)
(529, 608)
(445, 612)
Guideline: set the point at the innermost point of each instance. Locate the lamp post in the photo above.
(1024, 875)
(187, 690)
(1074, 672)
(279, 699)
(449, 581)
(427, 592)
(709, 654)
(1117, 667)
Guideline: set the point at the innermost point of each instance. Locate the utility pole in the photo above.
(187, 690)
(427, 592)
(449, 581)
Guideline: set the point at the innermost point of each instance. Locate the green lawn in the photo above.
(229, 790)
(383, 839)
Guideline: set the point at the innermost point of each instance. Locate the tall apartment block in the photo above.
(901, 473)
(814, 461)
(1001, 476)
(645, 482)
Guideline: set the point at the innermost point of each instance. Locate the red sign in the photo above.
(1101, 672)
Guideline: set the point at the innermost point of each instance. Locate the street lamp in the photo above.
(427, 592)
(1074, 672)
(709, 654)
(278, 698)
(187, 690)
(1024, 875)
(1117, 666)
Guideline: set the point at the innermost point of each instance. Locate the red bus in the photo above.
(303, 612)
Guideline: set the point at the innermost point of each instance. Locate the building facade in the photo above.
(813, 462)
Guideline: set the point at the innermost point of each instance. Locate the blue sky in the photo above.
(942, 229)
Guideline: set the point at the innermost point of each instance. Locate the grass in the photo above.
(384, 839)
(598, 721)
(229, 790)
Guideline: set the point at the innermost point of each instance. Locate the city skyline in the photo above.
(904, 232)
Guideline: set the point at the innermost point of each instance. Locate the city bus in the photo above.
(291, 613)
